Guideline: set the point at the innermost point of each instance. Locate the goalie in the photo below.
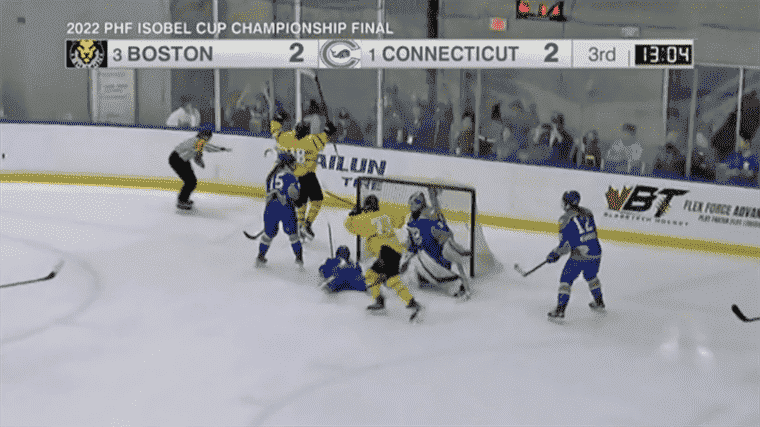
(432, 250)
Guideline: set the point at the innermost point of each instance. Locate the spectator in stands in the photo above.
(491, 132)
(539, 152)
(634, 148)
(421, 131)
(349, 130)
(444, 117)
(588, 155)
(617, 158)
(237, 115)
(466, 137)
(560, 141)
(186, 116)
(703, 159)
(521, 122)
(670, 163)
(393, 126)
(259, 122)
(509, 146)
(741, 166)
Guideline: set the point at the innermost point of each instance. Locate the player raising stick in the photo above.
(577, 235)
(429, 235)
(379, 229)
(340, 274)
(282, 191)
(306, 149)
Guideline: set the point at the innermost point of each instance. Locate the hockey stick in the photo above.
(526, 273)
(255, 236)
(741, 315)
(52, 274)
(329, 234)
(313, 75)
(348, 202)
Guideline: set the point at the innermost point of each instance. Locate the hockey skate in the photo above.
(597, 304)
(558, 313)
(417, 311)
(260, 261)
(185, 205)
(299, 260)
(378, 307)
(306, 232)
(463, 294)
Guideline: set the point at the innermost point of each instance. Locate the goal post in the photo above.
(457, 204)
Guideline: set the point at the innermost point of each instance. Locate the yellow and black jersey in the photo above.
(305, 150)
(379, 229)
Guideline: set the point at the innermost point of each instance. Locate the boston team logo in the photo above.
(86, 53)
(641, 198)
(343, 53)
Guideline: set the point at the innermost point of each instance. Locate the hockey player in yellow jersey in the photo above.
(379, 228)
(305, 147)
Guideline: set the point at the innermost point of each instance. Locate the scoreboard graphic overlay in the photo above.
(392, 54)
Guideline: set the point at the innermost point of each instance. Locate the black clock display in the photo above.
(664, 54)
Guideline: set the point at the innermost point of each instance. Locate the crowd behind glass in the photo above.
(699, 124)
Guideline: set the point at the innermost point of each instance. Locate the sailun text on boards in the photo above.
(355, 164)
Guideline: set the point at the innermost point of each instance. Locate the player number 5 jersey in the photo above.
(279, 184)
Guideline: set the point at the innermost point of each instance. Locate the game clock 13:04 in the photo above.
(664, 54)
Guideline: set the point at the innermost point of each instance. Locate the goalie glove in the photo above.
(553, 257)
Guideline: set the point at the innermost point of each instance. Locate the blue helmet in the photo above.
(343, 252)
(571, 198)
(286, 158)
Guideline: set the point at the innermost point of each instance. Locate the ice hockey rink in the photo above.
(161, 318)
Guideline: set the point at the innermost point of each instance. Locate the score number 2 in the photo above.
(552, 56)
(296, 57)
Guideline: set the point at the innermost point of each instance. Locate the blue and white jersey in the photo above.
(428, 234)
(337, 266)
(577, 235)
(279, 184)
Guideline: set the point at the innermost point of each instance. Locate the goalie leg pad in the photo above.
(425, 267)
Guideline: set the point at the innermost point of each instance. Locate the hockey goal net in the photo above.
(457, 203)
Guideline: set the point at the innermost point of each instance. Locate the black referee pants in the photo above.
(185, 172)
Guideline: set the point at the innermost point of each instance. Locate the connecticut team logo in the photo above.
(86, 53)
(342, 53)
(641, 198)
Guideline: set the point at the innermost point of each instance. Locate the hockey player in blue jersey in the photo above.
(282, 192)
(577, 236)
(429, 238)
(340, 274)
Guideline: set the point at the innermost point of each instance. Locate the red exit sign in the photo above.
(548, 10)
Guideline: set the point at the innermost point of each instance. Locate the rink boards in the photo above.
(634, 209)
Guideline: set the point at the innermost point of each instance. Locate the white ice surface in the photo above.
(160, 318)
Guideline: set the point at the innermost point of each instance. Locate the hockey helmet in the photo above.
(371, 204)
(571, 198)
(417, 201)
(302, 129)
(286, 158)
(343, 252)
(205, 131)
